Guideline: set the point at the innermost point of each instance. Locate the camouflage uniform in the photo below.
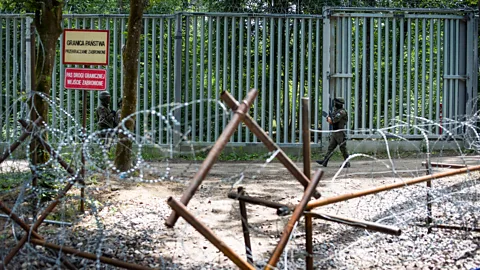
(339, 118)
(105, 116)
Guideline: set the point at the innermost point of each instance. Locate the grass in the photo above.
(13, 179)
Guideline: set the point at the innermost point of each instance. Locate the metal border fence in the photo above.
(389, 64)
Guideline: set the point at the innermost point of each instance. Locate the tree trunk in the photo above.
(48, 22)
(123, 155)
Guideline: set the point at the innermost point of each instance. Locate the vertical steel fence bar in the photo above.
(69, 92)
(240, 71)
(153, 85)
(91, 25)
(138, 119)
(438, 56)
(271, 82)
(225, 67)
(177, 80)
(294, 78)
(7, 80)
(424, 54)
(456, 92)
(302, 82)
(163, 116)
(23, 64)
(194, 79)
(209, 83)
(287, 81)
(364, 74)
(356, 102)
(348, 63)
(278, 105)
(337, 68)
(264, 67)
(463, 92)
(401, 60)
(169, 78)
(187, 118)
(386, 86)
(114, 64)
(393, 101)
(415, 86)
(295, 81)
(379, 72)
(3, 55)
(430, 75)
(372, 74)
(56, 65)
(317, 79)
(310, 68)
(15, 69)
(217, 76)
(255, 109)
(409, 73)
(446, 64)
(248, 55)
(326, 71)
(94, 94)
(122, 40)
(232, 66)
(109, 67)
(451, 90)
(145, 77)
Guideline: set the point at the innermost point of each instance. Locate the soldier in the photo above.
(338, 118)
(105, 116)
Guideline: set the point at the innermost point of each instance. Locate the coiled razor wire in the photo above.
(126, 211)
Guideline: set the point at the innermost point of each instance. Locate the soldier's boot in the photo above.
(347, 164)
(323, 162)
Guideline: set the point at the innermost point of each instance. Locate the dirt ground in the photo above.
(130, 214)
(269, 181)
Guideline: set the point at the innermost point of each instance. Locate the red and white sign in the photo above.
(85, 78)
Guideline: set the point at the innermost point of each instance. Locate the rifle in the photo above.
(329, 114)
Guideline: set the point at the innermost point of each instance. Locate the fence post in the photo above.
(472, 64)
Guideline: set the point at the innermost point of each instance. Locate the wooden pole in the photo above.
(421, 179)
(214, 153)
(307, 171)
(269, 143)
(246, 232)
(272, 263)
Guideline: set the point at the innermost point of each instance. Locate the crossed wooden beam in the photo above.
(31, 234)
(241, 114)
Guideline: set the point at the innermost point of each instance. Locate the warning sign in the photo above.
(85, 78)
(85, 47)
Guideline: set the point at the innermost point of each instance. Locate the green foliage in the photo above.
(13, 179)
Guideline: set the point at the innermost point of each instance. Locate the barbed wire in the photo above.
(126, 211)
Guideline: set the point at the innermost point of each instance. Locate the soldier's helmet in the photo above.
(339, 101)
(104, 96)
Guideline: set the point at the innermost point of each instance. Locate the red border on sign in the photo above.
(85, 63)
(104, 71)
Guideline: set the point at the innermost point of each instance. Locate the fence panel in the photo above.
(399, 67)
